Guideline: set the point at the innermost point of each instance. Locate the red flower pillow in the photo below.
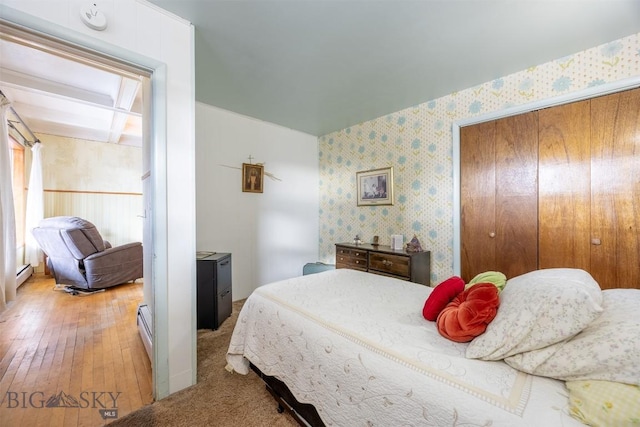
(468, 315)
(440, 296)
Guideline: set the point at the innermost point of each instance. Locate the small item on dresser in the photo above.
(414, 245)
(356, 240)
(376, 241)
(397, 241)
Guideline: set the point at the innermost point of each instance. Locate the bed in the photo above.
(356, 347)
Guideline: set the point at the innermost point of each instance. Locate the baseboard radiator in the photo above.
(23, 273)
(145, 327)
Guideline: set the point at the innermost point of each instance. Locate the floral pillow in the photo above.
(607, 349)
(604, 403)
(538, 309)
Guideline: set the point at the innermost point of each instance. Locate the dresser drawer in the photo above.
(351, 258)
(395, 265)
(382, 260)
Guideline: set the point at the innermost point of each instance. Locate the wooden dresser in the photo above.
(414, 267)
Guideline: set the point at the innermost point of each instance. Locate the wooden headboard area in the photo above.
(557, 187)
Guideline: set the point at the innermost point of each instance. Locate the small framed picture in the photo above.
(375, 187)
(252, 178)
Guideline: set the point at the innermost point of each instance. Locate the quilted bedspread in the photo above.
(356, 346)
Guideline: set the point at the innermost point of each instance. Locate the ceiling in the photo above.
(317, 66)
(323, 65)
(56, 95)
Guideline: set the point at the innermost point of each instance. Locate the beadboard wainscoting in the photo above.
(116, 215)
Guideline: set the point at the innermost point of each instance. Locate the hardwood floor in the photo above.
(86, 350)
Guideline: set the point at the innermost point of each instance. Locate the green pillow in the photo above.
(495, 277)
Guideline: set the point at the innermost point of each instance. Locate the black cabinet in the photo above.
(214, 288)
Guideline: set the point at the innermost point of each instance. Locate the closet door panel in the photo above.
(564, 190)
(516, 194)
(477, 188)
(615, 187)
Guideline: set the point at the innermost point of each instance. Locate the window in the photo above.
(19, 192)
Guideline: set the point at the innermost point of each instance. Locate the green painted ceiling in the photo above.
(322, 65)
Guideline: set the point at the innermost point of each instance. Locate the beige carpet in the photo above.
(219, 398)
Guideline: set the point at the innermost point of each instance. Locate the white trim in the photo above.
(194, 272)
(165, 12)
(159, 234)
(23, 274)
(592, 92)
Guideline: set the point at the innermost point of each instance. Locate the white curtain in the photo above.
(7, 215)
(35, 207)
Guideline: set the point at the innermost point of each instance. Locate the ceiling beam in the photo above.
(51, 88)
(126, 97)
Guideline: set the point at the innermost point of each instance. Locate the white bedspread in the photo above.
(355, 345)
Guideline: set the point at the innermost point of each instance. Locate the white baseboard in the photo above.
(23, 273)
(145, 328)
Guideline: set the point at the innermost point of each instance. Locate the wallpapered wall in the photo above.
(96, 181)
(417, 142)
(81, 165)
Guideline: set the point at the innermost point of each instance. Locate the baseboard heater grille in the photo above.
(145, 327)
(23, 273)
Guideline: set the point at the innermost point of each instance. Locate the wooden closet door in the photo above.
(517, 194)
(564, 189)
(478, 199)
(615, 188)
(498, 171)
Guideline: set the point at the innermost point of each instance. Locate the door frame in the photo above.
(154, 159)
(591, 92)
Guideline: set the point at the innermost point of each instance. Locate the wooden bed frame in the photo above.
(304, 413)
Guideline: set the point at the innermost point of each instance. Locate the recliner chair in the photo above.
(78, 256)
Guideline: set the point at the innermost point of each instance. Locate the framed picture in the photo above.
(252, 178)
(375, 187)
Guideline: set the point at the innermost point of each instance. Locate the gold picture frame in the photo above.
(252, 178)
(375, 187)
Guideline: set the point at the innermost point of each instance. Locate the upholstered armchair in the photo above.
(78, 256)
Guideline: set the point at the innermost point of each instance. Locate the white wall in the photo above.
(271, 235)
(147, 35)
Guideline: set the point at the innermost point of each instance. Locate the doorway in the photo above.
(33, 40)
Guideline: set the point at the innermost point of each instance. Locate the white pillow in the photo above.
(608, 349)
(538, 309)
